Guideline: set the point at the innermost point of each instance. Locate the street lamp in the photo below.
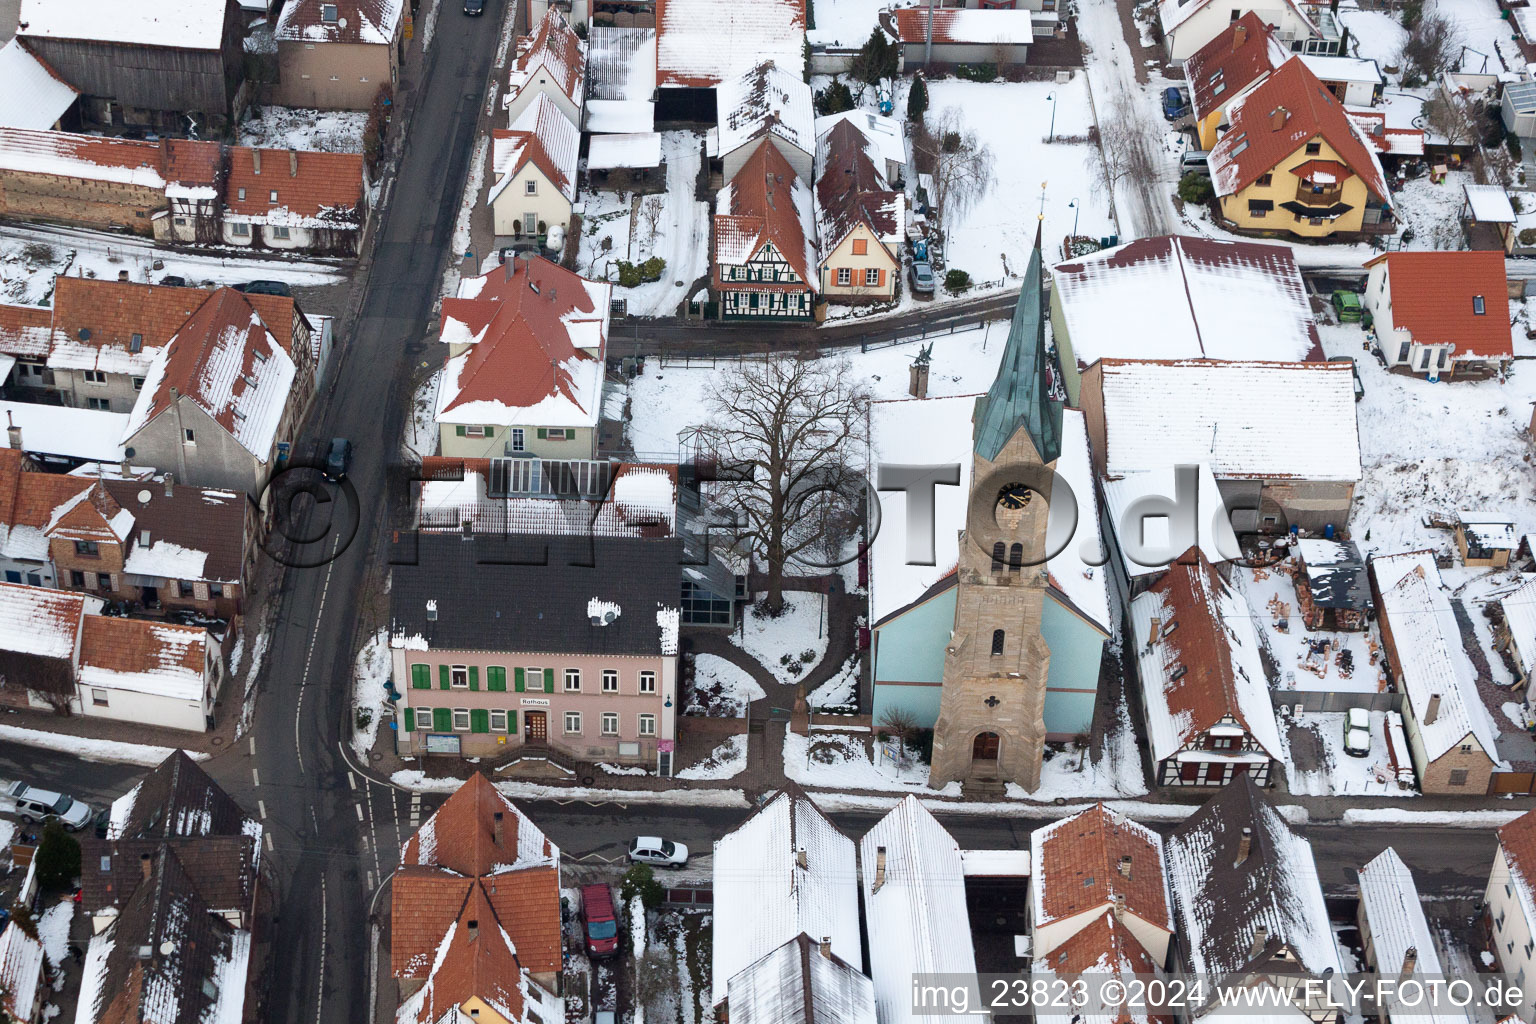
(1052, 98)
(1077, 212)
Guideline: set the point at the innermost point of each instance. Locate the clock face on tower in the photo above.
(1013, 496)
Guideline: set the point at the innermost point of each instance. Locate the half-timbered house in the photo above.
(765, 241)
(1209, 717)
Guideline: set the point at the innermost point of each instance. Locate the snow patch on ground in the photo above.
(1272, 590)
(782, 642)
(88, 749)
(1073, 774)
(839, 761)
(421, 429)
(53, 930)
(416, 780)
(328, 131)
(369, 674)
(839, 691)
(1339, 773)
(726, 761)
(1451, 819)
(721, 689)
(474, 185)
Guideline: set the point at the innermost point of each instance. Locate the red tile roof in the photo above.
(765, 205)
(1433, 296)
(142, 646)
(149, 164)
(375, 22)
(90, 515)
(1106, 947)
(1275, 120)
(1518, 838)
(463, 833)
(701, 43)
(307, 184)
(543, 136)
(24, 330)
(559, 51)
(1095, 858)
(961, 25)
(1244, 52)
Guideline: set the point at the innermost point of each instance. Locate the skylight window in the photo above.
(1478, 306)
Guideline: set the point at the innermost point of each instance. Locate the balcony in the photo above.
(1319, 194)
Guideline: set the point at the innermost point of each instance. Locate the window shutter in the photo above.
(549, 680)
(443, 680)
(490, 431)
(421, 677)
(543, 434)
(410, 719)
(479, 720)
(442, 720)
(512, 721)
(496, 679)
(474, 677)
(517, 680)
(199, 590)
(460, 430)
(880, 281)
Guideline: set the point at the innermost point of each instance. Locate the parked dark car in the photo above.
(265, 288)
(474, 8)
(598, 922)
(338, 459)
(172, 281)
(1175, 103)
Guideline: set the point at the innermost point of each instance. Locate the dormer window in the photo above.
(328, 13)
(1178, 672)
(1173, 624)
(136, 343)
(272, 196)
(240, 193)
(1478, 306)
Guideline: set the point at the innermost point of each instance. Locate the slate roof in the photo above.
(1335, 574)
(852, 190)
(356, 21)
(796, 984)
(484, 604)
(1093, 859)
(1220, 901)
(198, 518)
(1434, 295)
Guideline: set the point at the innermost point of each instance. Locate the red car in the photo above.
(599, 921)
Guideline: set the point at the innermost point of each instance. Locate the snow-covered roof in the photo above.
(1174, 297)
(621, 117)
(995, 863)
(767, 100)
(1105, 949)
(1490, 203)
(120, 161)
(1222, 893)
(557, 51)
(621, 64)
(180, 24)
(340, 21)
(1395, 916)
(31, 94)
(1076, 571)
(1173, 13)
(1202, 668)
(764, 897)
(1216, 538)
(883, 134)
(1247, 420)
(766, 203)
(160, 659)
(1433, 667)
(1520, 617)
(42, 622)
(959, 25)
(1344, 69)
(1095, 859)
(66, 432)
(915, 911)
(701, 43)
(1489, 529)
(638, 150)
(797, 984)
(543, 136)
(21, 972)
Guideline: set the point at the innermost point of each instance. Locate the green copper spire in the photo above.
(1020, 396)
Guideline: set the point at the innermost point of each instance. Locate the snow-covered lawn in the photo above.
(88, 749)
(839, 691)
(720, 688)
(368, 697)
(421, 429)
(789, 644)
(31, 256)
(1073, 775)
(53, 931)
(839, 761)
(1340, 774)
(727, 761)
(329, 131)
(992, 238)
(1266, 591)
(666, 401)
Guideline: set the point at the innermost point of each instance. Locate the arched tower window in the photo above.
(997, 642)
(997, 557)
(1016, 558)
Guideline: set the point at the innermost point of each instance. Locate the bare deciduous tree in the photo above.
(1433, 45)
(1126, 152)
(900, 723)
(799, 427)
(1450, 117)
(650, 215)
(962, 164)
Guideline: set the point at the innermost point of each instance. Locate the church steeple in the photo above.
(1020, 394)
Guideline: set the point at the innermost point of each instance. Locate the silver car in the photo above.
(654, 850)
(922, 278)
(1357, 732)
(34, 805)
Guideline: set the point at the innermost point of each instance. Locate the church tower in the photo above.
(991, 725)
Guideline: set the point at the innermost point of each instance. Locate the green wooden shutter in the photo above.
(421, 677)
(512, 722)
(543, 433)
(410, 719)
(496, 679)
(517, 680)
(442, 720)
(549, 680)
(490, 432)
(479, 720)
(443, 678)
(459, 430)
(474, 677)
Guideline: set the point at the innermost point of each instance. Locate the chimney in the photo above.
(800, 858)
(1239, 35)
(917, 384)
(12, 432)
(879, 868)
(1119, 905)
(1125, 865)
(473, 927)
(1278, 117)
(1410, 960)
(1260, 937)
(256, 160)
(293, 163)
(826, 946)
(170, 482)
(1432, 712)
(1244, 845)
(146, 862)
(496, 827)
(1155, 627)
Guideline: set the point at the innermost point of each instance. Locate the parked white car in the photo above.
(1357, 732)
(33, 805)
(658, 852)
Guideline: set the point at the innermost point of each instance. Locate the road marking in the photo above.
(255, 778)
(269, 842)
(320, 977)
(309, 657)
(261, 807)
(592, 803)
(359, 811)
(597, 856)
(352, 780)
(370, 881)
(253, 745)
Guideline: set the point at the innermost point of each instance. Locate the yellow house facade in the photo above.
(859, 268)
(1298, 195)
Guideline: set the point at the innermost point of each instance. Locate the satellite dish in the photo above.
(84, 334)
(144, 497)
(341, 22)
(129, 453)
